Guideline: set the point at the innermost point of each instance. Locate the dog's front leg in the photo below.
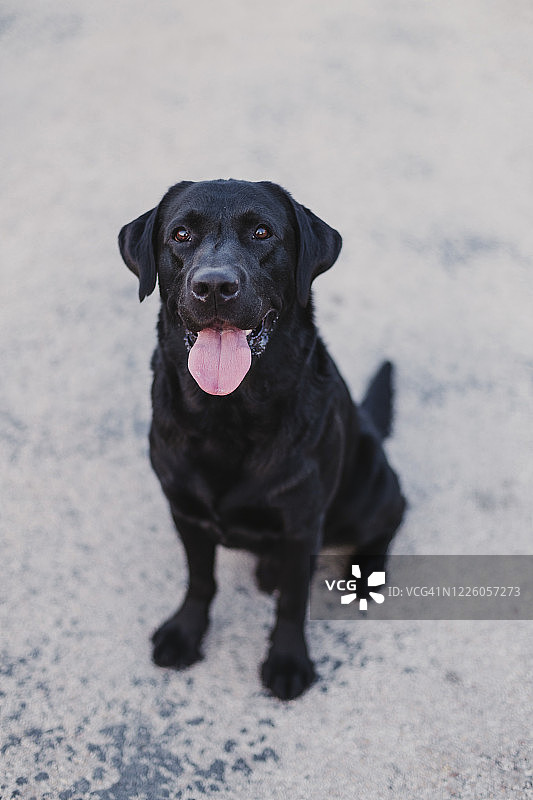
(177, 641)
(288, 670)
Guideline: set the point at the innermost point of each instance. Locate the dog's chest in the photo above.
(219, 483)
(236, 517)
(236, 503)
(252, 528)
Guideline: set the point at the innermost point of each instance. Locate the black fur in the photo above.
(284, 465)
(378, 400)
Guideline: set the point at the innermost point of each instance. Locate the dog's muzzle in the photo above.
(220, 356)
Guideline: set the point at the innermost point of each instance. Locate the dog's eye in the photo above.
(262, 232)
(182, 235)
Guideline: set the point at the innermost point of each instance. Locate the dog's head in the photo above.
(231, 258)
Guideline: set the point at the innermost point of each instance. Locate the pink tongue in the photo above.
(219, 360)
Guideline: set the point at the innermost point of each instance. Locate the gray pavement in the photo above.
(409, 127)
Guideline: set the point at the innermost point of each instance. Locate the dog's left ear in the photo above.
(318, 248)
(136, 243)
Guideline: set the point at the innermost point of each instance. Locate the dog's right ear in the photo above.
(136, 243)
(319, 248)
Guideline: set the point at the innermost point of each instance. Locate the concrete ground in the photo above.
(408, 126)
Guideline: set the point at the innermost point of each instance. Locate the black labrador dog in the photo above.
(254, 437)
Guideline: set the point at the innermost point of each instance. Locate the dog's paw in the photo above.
(174, 646)
(286, 674)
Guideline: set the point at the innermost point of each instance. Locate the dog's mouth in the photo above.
(220, 356)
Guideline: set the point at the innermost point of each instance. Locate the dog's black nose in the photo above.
(218, 284)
